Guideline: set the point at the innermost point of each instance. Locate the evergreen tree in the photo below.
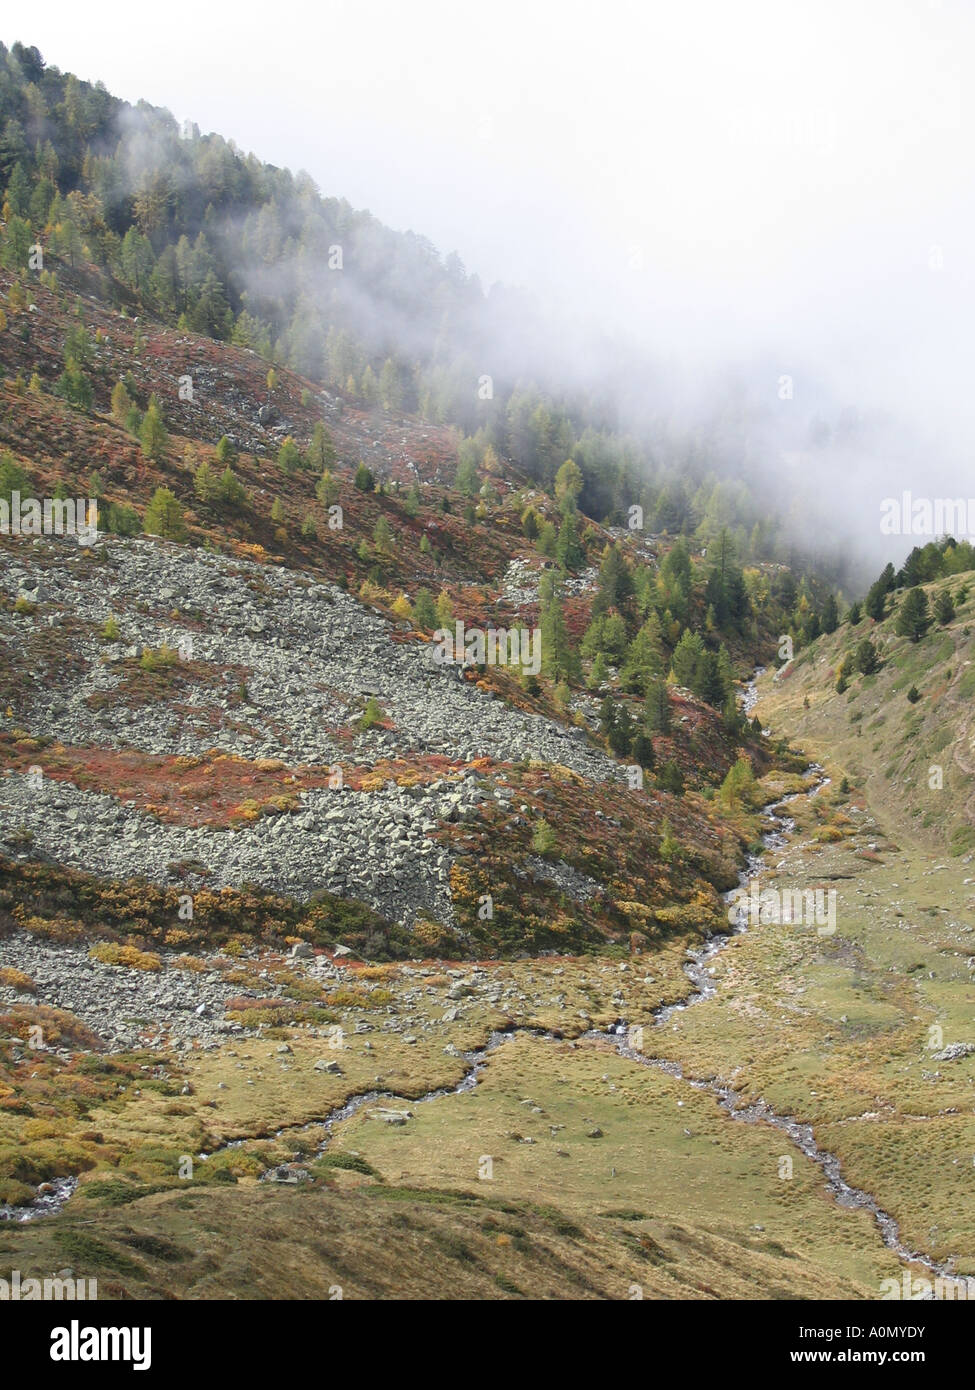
(445, 609)
(74, 387)
(674, 580)
(289, 456)
(642, 750)
(568, 551)
(12, 477)
(320, 455)
(709, 682)
(368, 388)
(568, 482)
(424, 612)
(152, 434)
(615, 586)
(643, 658)
(599, 673)
(831, 614)
(383, 536)
(669, 844)
(687, 659)
(875, 604)
(466, 479)
(204, 483)
(739, 789)
(137, 260)
(671, 779)
(327, 489)
(656, 707)
(548, 540)
(592, 639)
(164, 516)
(867, 658)
(529, 523)
(944, 608)
(17, 241)
(390, 386)
(18, 194)
(913, 618)
(612, 639)
(230, 489)
(732, 717)
(560, 661)
(616, 724)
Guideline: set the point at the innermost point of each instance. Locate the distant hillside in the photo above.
(183, 226)
(902, 734)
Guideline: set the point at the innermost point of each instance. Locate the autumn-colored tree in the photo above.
(289, 456)
(320, 454)
(327, 489)
(230, 489)
(568, 481)
(204, 482)
(445, 609)
(152, 435)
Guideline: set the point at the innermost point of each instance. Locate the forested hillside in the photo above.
(185, 226)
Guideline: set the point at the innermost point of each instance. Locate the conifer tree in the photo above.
(152, 434)
(913, 618)
(164, 516)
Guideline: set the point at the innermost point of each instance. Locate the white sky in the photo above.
(754, 180)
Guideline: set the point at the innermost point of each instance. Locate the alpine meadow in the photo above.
(486, 733)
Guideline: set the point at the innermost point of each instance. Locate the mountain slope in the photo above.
(298, 925)
(913, 760)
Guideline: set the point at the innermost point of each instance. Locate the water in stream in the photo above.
(697, 967)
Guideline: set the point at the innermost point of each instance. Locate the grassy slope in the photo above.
(873, 735)
(843, 1031)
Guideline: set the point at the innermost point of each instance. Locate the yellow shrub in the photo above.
(373, 593)
(637, 912)
(426, 933)
(461, 885)
(16, 979)
(38, 1129)
(111, 954)
(828, 834)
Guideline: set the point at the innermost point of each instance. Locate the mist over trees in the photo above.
(220, 243)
